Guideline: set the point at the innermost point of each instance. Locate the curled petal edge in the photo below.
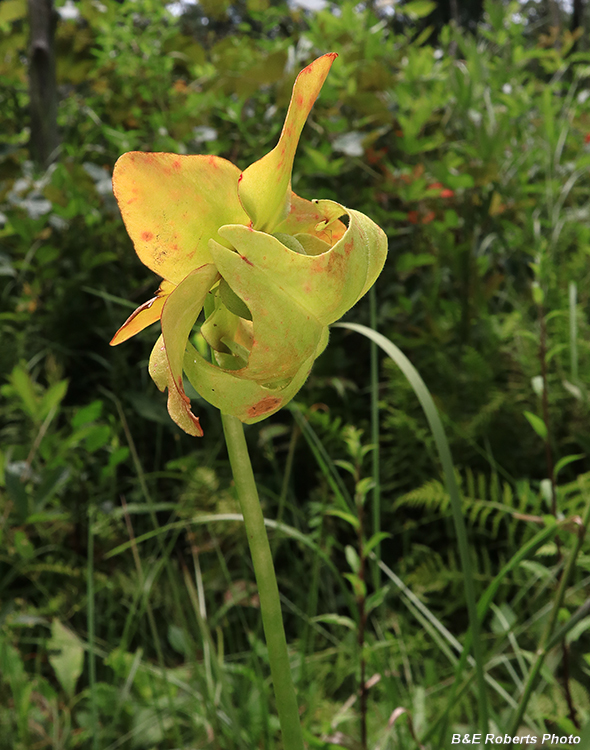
(325, 285)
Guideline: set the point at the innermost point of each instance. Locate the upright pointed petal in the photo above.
(265, 186)
(172, 205)
(180, 312)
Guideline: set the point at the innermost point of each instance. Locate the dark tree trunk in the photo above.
(42, 82)
(578, 22)
(578, 14)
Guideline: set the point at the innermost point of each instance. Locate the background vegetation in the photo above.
(469, 143)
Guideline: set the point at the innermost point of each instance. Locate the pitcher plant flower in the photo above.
(271, 270)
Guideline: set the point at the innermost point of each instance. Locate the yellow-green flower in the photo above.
(271, 269)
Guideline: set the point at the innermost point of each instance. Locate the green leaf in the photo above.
(87, 414)
(12, 10)
(375, 540)
(352, 558)
(363, 487)
(563, 462)
(53, 397)
(348, 517)
(177, 638)
(537, 424)
(418, 8)
(97, 437)
(332, 619)
(407, 262)
(68, 657)
(358, 586)
(538, 294)
(23, 545)
(23, 385)
(375, 600)
(346, 465)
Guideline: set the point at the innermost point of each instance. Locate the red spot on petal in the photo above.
(176, 164)
(147, 236)
(266, 405)
(249, 262)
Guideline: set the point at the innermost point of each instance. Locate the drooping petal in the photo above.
(173, 204)
(144, 316)
(265, 186)
(285, 334)
(325, 285)
(178, 403)
(180, 312)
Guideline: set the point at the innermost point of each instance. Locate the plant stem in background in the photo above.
(573, 293)
(543, 648)
(446, 460)
(362, 598)
(551, 475)
(268, 590)
(545, 403)
(90, 616)
(375, 435)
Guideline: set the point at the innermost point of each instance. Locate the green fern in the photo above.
(487, 502)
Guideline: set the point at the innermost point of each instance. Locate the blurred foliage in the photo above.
(471, 148)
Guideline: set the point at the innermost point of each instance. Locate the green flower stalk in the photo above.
(271, 269)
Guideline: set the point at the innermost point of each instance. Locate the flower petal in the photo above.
(325, 285)
(247, 400)
(178, 406)
(172, 205)
(264, 186)
(303, 218)
(144, 316)
(284, 333)
(180, 312)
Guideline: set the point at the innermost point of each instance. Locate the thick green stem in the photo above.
(268, 591)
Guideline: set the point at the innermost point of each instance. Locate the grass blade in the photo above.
(444, 452)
